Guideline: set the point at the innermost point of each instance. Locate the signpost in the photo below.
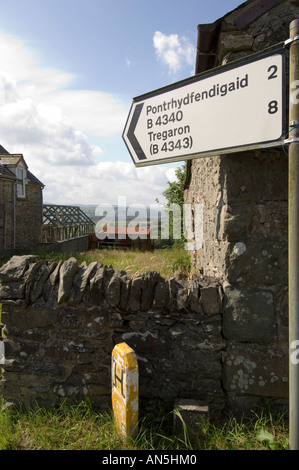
(293, 234)
(233, 108)
(125, 389)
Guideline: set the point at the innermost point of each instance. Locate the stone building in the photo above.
(21, 205)
(245, 209)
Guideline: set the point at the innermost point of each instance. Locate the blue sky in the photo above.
(68, 73)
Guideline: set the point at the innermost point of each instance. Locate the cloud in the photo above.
(52, 126)
(36, 109)
(106, 182)
(42, 131)
(96, 113)
(173, 51)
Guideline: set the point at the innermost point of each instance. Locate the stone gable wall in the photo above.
(245, 226)
(20, 219)
(29, 213)
(6, 214)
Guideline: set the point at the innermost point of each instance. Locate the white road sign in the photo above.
(228, 109)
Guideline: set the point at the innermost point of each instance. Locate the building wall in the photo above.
(245, 210)
(6, 215)
(244, 194)
(29, 218)
(20, 219)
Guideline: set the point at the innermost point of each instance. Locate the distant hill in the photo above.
(152, 219)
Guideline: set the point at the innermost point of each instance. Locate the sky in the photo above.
(69, 71)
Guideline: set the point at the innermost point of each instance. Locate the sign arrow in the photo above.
(131, 132)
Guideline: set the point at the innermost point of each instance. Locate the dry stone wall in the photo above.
(62, 321)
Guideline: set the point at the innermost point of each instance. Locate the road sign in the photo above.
(125, 389)
(233, 107)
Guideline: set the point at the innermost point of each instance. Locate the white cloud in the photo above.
(96, 113)
(173, 51)
(36, 109)
(50, 125)
(106, 182)
(43, 132)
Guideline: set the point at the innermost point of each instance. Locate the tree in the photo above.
(174, 194)
(175, 191)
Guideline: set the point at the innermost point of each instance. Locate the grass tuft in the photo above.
(164, 261)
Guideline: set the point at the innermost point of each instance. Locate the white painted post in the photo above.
(293, 206)
(125, 389)
(2, 353)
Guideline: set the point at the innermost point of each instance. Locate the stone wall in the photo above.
(73, 245)
(29, 217)
(6, 214)
(63, 320)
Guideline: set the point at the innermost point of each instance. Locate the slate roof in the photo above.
(8, 161)
(3, 151)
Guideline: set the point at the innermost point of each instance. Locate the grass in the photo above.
(79, 427)
(164, 261)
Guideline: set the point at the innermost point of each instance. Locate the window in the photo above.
(21, 174)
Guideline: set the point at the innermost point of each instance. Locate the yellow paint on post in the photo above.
(125, 391)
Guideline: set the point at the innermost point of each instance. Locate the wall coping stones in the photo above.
(27, 280)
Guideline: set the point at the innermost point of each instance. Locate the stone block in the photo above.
(210, 300)
(112, 293)
(67, 274)
(256, 369)
(188, 414)
(80, 282)
(161, 294)
(96, 283)
(235, 42)
(148, 287)
(134, 302)
(262, 261)
(249, 315)
(15, 268)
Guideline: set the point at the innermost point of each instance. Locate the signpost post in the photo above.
(125, 390)
(293, 234)
(2, 353)
(233, 108)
